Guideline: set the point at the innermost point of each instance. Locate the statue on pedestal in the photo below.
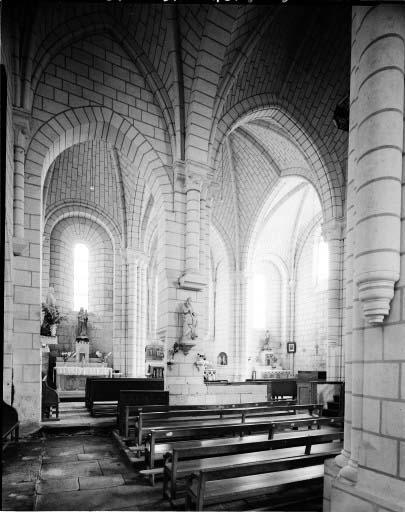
(189, 321)
(82, 319)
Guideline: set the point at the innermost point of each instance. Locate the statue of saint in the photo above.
(82, 322)
(189, 321)
(266, 345)
(50, 297)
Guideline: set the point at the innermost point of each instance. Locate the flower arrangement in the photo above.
(52, 317)
(66, 355)
(103, 355)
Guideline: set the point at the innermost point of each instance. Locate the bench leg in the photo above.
(152, 480)
(164, 487)
(187, 502)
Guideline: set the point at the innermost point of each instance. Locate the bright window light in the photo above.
(259, 301)
(81, 277)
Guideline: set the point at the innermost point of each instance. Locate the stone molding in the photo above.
(137, 257)
(21, 125)
(192, 281)
(19, 246)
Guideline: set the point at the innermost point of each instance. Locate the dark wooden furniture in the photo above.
(147, 421)
(9, 424)
(304, 387)
(210, 486)
(181, 462)
(132, 402)
(50, 402)
(162, 440)
(330, 394)
(102, 391)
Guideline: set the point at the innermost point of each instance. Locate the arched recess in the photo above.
(297, 127)
(106, 225)
(283, 228)
(87, 25)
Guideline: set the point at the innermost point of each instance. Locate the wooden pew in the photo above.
(160, 441)
(128, 408)
(147, 421)
(108, 390)
(136, 401)
(49, 402)
(181, 462)
(9, 424)
(240, 481)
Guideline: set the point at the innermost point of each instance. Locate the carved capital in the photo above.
(197, 175)
(137, 257)
(21, 125)
(333, 229)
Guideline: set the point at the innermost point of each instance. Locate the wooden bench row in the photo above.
(221, 485)
(133, 402)
(181, 462)
(147, 421)
(163, 440)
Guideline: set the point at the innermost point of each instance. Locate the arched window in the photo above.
(81, 277)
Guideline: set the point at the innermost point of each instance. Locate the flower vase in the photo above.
(53, 329)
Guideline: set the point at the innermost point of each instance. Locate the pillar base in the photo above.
(192, 281)
(19, 246)
(349, 473)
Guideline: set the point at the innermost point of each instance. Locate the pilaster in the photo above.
(21, 125)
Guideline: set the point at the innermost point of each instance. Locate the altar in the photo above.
(71, 377)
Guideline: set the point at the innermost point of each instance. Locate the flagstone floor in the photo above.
(82, 469)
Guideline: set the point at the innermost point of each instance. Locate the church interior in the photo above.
(203, 255)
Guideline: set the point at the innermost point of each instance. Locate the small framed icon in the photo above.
(291, 347)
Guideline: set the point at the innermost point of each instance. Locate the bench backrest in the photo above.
(257, 468)
(149, 417)
(109, 389)
(255, 446)
(165, 434)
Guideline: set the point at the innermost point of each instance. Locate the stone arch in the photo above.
(247, 253)
(295, 125)
(74, 209)
(80, 124)
(92, 24)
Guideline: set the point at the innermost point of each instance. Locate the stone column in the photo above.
(242, 287)
(135, 348)
(372, 464)
(292, 283)
(379, 79)
(21, 131)
(196, 176)
(333, 233)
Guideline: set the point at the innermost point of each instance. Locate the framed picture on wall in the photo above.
(291, 347)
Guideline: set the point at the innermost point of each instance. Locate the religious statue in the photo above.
(266, 345)
(82, 318)
(189, 321)
(50, 297)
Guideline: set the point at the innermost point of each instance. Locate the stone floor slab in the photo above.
(115, 498)
(19, 496)
(56, 485)
(64, 451)
(70, 469)
(100, 482)
(112, 466)
(95, 455)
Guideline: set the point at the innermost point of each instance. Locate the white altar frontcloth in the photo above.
(83, 370)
